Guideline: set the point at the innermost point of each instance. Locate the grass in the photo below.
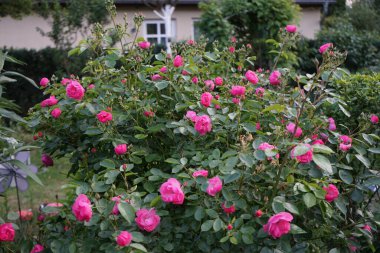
(53, 178)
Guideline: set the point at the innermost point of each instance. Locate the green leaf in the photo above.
(212, 213)
(296, 230)
(345, 176)
(11, 115)
(210, 56)
(27, 170)
(93, 131)
(207, 225)
(247, 159)
(107, 163)
(339, 202)
(344, 110)
(309, 200)
(199, 213)
(374, 150)
(276, 107)
(172, 161)
(12, 73)
(291, 208)
(301, 150)
(141, 136)
(232, 177)
(161, 85)
(318, 148)
(364, 160)
(138, 246)
(218, 224)
(137, 237)
(323, 163)
(127, 211)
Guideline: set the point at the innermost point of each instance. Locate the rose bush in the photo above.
(232, 170)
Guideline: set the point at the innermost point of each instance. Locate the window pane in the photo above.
(163, 41)
(152, 40)
(162, 26)
(197, 32)
(151, 28)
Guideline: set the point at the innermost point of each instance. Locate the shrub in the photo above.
(236, 161)
(361, 92)
(38, 64)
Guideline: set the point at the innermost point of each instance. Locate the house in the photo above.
(23, 33)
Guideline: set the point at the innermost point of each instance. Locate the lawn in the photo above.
(53, 178)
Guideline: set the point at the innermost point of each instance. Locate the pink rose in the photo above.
(194, 80)
(291, 28)
(214, 186)
(26, 215)
(147, 220)
(82, 208)
(228, 210)
(252, 77)
(124, 239)
(171, 192)
(210, 84)
(305, 158)
(236, 100)
(47, 160)
(258, 213)
(231, 49)
(144, 44)
(37, 248)
(290, 127)
(75, 90)
(49, 101)
(178, 61)
(115, 209)
(230, 227)
(203, 124)
(264, 146)
(163, 69)
(7, 232)
(331, 193)
(218, 81)
(258, 126)
(148, 114)
(332, 126)
(206, 99)
(200, 173)
(345, 144)
(217, 107)
(367, 227)
(190, 42)
(237, 91)
(156, 77)
(56, 205)
(191, 115)
(278, 224)
(324, 47)
(104, 116)
(65, 81)
(274, 78)
(44, 81)
(260, 92)
(185, 73)
(233, 39)
(41, 217)
(121, 149)
(56, 113)
(374, 119)
(91, 86)
(318, 142)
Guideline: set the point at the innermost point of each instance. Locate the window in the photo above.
(196, 29)
(154, 31)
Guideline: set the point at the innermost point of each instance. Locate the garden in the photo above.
(216, 147)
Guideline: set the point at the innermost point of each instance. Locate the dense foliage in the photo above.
(361, 92)
(195, 152)
(251, 21)
(59, 64)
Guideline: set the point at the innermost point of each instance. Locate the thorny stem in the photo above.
(18, 202)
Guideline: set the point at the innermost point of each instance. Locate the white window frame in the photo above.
(158, 36)
(193, 28)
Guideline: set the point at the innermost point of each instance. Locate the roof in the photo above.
(193, 2)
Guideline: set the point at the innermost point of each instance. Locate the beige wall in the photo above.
(310, 21)
(23, 33)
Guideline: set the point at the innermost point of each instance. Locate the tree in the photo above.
(251, 21)
(15, 8)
